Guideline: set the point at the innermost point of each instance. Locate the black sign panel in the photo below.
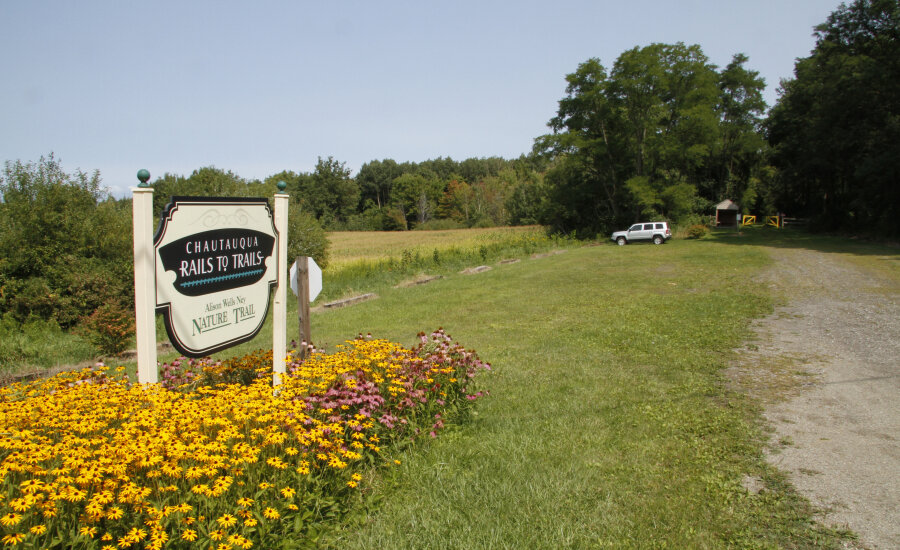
(217, 260)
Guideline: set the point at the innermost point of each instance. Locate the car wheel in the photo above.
(621, 241)
(657, 239)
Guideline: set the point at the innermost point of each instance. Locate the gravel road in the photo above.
(827, 367)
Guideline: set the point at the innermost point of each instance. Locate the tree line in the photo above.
(661, 133)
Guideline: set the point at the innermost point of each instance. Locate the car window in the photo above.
(659, 226)
(636, 227)
(648, 226)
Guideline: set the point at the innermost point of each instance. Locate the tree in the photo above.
(375, 179)
(65, 246)
(330, 193)
(417, 195)
(835, 130)
(208, 181)
(622, 139)
(742, 146)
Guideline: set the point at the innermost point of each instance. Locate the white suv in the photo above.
(658, 232)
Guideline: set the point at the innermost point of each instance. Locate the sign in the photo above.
(315, 279)
(214, 271)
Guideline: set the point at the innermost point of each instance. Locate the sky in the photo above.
(265, 86)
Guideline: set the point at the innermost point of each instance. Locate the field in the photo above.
(352, 246)
(608, 423)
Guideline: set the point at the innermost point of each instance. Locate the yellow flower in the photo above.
(288, 492)
(32, 485)
(22, 504)
(271, 513)
(10, 519)
(250, 522)
(226, 520)
(39, 529)
(217, 534)
(88, 531)
(115, 513)
(245, 502)
(12, 540)
(351, 483)
(189, 535)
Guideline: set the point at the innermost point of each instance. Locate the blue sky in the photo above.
(260, 87)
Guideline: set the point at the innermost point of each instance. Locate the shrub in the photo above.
(697, 231)
(109, 328)
(306, 237)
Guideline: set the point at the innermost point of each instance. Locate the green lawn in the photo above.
(608, 424)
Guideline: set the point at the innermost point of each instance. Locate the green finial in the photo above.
(281, 186)
(144, 176)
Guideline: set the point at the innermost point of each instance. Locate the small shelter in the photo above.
(727, 213)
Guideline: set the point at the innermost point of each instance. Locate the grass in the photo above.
(38, 346)
(609, 423)
(353, 246)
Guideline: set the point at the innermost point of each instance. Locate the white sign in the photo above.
(214, 271)
(315, 279)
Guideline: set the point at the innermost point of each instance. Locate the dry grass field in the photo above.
(351, 246)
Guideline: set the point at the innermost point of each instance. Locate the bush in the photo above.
(110, 328)
(306, 237)
(697, 231)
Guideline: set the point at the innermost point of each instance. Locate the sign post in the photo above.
(144, 279)
(279, 321)
(306, 283)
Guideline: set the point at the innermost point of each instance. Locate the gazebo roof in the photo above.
(727, 205)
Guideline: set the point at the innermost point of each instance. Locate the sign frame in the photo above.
(249, 223)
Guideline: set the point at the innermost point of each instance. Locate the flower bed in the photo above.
(212, 456)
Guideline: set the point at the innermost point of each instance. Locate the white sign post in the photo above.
(144, 286)
(279, 321)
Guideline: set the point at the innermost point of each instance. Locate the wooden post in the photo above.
(279, 317)
(303, 305)
(144, 280)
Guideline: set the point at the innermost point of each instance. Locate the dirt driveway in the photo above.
(827, 368)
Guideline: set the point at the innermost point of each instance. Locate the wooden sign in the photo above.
(214, 271)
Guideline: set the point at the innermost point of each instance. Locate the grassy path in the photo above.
(607, 426)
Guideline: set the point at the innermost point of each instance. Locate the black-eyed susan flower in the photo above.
(13, 538)
(226, 520)
(11, 519)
